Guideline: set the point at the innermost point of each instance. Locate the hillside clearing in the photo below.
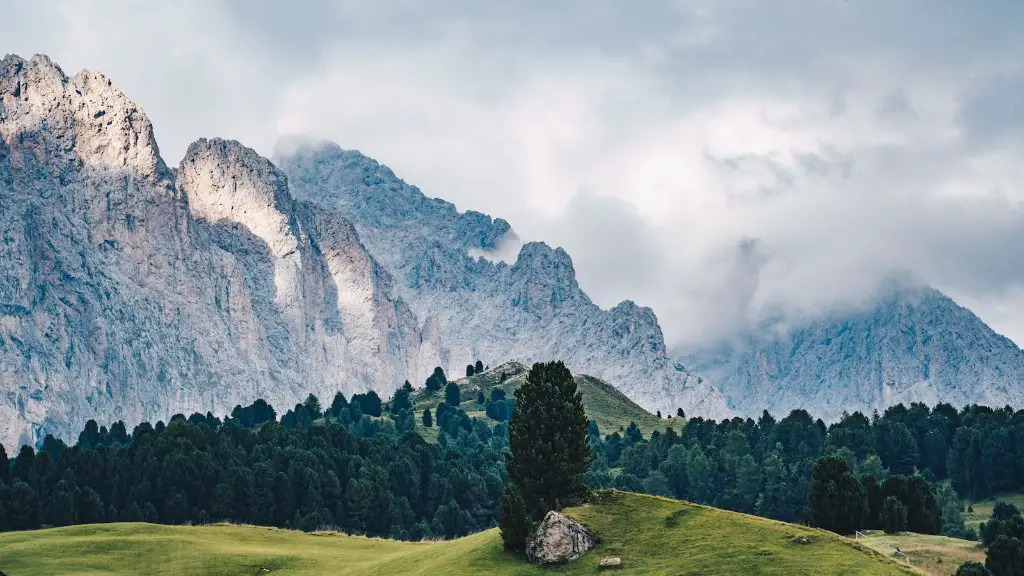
(936, 555)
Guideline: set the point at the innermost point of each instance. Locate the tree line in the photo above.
(341, 468)
(914, 462)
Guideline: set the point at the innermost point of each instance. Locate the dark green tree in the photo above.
(452, 394)
(401, 401)
(19, 506)
(549, 450)
(1004, 511)
(312, 405)
(479, 367)
(876, 499)
(1005, 557)
(894, 516)
(428, 420)
(480, 398)
(437, 380)
(338, 404)
(838, 501)
(470, 370)
(513, 520)
(972, 569)
(369, 402)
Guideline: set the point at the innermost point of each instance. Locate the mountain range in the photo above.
(133, 290)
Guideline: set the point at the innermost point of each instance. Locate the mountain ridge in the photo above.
(130, 290)
(912, 343)
(531, 310)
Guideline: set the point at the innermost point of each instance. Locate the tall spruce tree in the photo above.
(549, 450)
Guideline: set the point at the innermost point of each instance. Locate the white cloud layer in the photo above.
(720, 161)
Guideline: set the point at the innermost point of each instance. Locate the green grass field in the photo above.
(652, 536)
(982, 509)
(936, 555)
(602, 401)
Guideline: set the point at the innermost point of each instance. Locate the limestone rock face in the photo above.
(470, 307)
(131, 291)
(558, 539)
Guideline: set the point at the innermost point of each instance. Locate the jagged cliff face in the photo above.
(913, 345)
(130, 291)
(471, 308)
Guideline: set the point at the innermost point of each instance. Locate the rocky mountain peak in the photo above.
(80, 121)
(545, 277)
(225, 180)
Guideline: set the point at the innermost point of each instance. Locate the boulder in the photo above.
(610, 563)
(558, 539)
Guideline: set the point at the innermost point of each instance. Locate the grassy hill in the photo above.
(652, 536)
(602, 401)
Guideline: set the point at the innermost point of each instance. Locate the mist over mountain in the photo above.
(910, 343)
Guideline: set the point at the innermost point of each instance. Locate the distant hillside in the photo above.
(652, 536)
(603, 403)
(914, 344)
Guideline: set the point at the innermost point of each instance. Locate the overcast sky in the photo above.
(717, 160)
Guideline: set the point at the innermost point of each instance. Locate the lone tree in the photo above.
(838, 501)
(470, 370)
(549, 452)
(452, 395)
(479, 367)
(428, 420)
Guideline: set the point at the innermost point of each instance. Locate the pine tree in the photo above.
(549, 449)
(452, 394)
(437, 380)
(428, 420)
(479, 367)
(400, 401)
(312, 404)
(470, 370)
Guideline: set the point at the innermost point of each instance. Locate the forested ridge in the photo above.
(360, 466)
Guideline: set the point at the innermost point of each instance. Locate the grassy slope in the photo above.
(936, 555)
(602, 401)
(703, 541)
(983, 508)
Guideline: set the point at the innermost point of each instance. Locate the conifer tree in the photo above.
(452, 394)
(549, 448)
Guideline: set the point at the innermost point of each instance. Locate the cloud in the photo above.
(721, 161)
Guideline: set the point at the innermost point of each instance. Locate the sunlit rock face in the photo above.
(132, 291)
(471, 307)
(912, 344)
